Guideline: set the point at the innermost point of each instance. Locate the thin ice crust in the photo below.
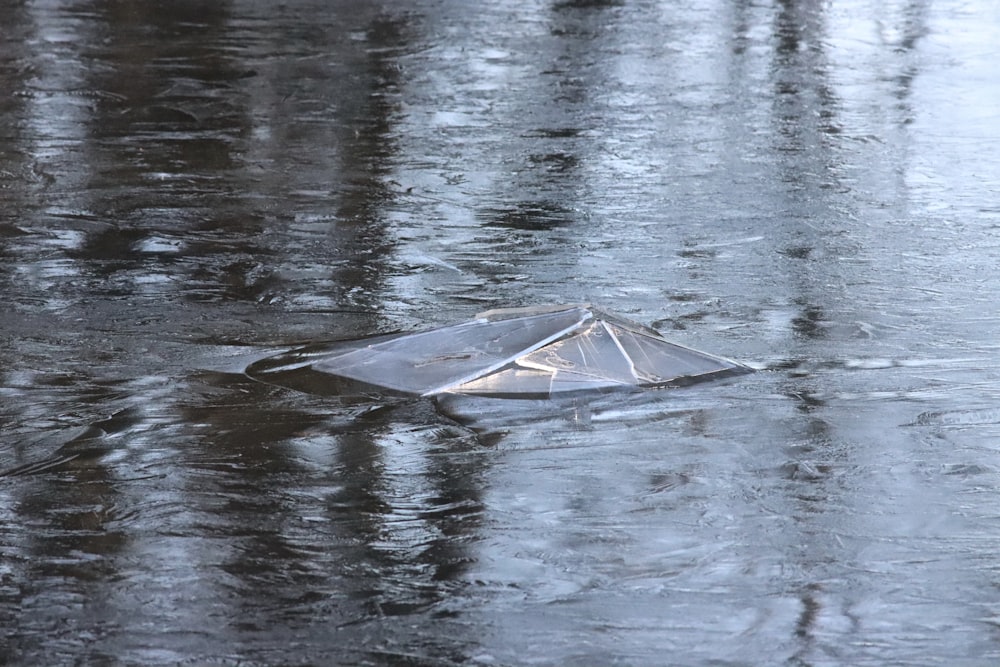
(543, 351)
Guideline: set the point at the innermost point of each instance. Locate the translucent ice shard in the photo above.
(543, 351)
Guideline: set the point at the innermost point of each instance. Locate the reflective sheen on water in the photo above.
(807, 187)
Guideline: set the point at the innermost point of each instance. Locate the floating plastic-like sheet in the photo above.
(518, 352)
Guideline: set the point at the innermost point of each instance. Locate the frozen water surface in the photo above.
(192, 189)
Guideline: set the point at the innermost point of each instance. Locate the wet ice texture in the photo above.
(545, 351)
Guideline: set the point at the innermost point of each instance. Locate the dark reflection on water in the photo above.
(188, 189)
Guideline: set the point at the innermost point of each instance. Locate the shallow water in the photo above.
(805, 187)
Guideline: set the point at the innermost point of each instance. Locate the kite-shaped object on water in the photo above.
(525, 352)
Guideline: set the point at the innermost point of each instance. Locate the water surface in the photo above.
(807, 187)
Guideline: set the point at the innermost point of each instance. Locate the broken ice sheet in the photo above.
(540, 352)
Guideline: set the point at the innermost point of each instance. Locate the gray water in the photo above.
(809, 187)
